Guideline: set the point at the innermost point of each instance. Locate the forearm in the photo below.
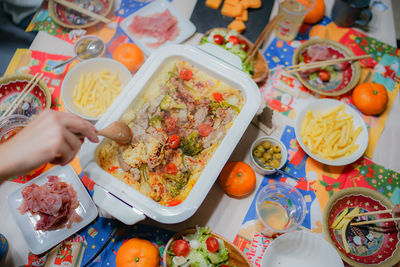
(11, 162)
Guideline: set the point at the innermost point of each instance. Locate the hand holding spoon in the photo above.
(117, 131)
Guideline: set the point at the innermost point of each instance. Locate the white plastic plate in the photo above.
(41, 241)
(186, 27)
(301, 248)
(324, 105)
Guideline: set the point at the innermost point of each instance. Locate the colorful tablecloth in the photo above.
(281, 92)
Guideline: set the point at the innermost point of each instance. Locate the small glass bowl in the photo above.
(83, 42)
(257, 165)
(11, 125)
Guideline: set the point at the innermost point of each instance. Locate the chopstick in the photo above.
(375, 221)
(18, 100)
(369, 213)
(317, 64)
(261, 38)
(83, 11)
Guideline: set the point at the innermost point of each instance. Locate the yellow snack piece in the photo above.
(244, 16)
(213, 3)
(344, 238)
(245, 4)
(232, 2)
(237, 25)
(231, 10)
(340, 217)
(340, 225)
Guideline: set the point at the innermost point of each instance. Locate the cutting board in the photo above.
(206, 18)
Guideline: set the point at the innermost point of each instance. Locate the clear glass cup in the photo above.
(280, 208)
(290, 16)
(11, 125)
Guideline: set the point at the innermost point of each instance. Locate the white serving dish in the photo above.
(186, 27)
(324, 105)
(273, 142)
(41, 241)
(301, 248)
(90, 65)
(137, 205)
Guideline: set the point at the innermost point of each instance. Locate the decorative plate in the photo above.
(36, 101)
(343, 80)
(72, 19)
(236, 256)
(371, 244)
(261, 69)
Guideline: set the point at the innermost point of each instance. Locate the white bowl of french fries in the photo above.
(331, 132)
(91, 86)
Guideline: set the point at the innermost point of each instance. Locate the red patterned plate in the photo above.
(72, 19)
(372, 244)
(341, 81)
(36, 101)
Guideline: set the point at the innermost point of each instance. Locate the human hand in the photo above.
(396, 214)
(52, 137)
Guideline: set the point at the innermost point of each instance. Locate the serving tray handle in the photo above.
(118, 209)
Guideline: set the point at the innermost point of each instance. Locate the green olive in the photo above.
(267, 156)
(276, 148)
(261, 160)
(260, 148)
(277, 156)
(257, 153)
(266, 145)
(274, 163)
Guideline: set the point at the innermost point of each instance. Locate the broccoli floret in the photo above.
(168, 103)
(214, 105)
(156, 122)
(190, 145)
(175, 183)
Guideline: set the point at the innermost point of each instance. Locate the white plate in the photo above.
(186, 27)
(41, 241)
(301, 248)
(324, 105)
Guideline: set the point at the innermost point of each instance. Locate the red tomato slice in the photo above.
(170, 123)
(171, 168)
(218, 96)
(218, 39)
(244, 45)
(324, 75)
(185, 74)
(204, 129)
(212, 244)
(173, 141)
(180, 247)
(233, 39)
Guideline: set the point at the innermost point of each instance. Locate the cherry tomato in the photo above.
(212, 244)
(233, 39)
(173, 141)
(324, 75)
(174, 203)
(171, 168)
(218, 96)
(180, 247)
(185, 74)
(224, 265)
(218, 39)
(244, 45)
(204, 129)
(170, 123)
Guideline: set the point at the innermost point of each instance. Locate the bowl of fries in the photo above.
(91, 86)
(331, 132)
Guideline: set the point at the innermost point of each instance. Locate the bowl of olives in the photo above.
(268, 152)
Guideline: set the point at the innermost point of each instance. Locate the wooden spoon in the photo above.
(117, 131)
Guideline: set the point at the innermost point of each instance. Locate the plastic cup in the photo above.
(290, 16)
(280, 208)
(11, 125)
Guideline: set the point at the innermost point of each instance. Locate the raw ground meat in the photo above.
(55, 202)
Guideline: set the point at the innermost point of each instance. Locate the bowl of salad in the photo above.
(239, 45)
(330, 80)
(201, 247)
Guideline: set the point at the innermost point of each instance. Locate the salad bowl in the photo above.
(227, 39)
(236, 256)
(331, 80)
